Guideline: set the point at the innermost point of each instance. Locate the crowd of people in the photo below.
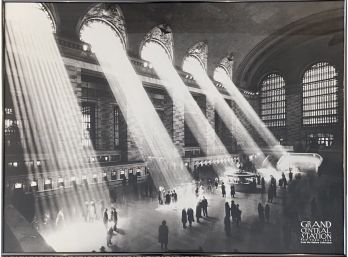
(188, 215)
(264, 212)
(232, 212)
(167, 197)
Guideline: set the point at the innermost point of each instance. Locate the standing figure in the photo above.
(190, 216)
(233, 191)
(216, 183)
(239, 215)
(267, 212)
(261, 212)
(172, 196)
(227, 210)
(163, 232)
(160, 201)
(223, 189)
(114, 218)
(205, 207)
(274, 186)
(233, 211)
(175, 196)
(263, 185)
(280, 182)
(199, 211)
(209, 184)
(105, 218)
(168, 198)
(290, 175)
(184, 218)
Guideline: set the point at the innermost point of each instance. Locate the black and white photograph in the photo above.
(174, 127)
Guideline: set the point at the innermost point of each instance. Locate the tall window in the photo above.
(88, 124)
(273, 101)
(320, 88)
(116, 127)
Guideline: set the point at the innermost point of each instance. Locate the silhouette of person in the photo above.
(190, 216)
(184, 218)
(233, 191)
(199, 211)
(227, 210)
(223, 189)
(205, 207)
(163, 232)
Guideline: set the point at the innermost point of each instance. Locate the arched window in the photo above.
(46, 9)
(220, 74)
(159, 38)
(319, 85)
(106, 19)
(224, 70)
(196, 55)
(273, 100)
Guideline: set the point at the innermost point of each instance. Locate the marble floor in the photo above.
(139, 220)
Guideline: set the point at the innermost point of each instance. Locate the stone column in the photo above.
(105, 130)
(130, 151)
(174, 121)
(294, 116)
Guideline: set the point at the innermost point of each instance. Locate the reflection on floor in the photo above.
(139, 218)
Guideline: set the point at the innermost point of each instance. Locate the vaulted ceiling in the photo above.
(227, 27)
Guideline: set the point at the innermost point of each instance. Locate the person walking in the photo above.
(205, 207)
(274, 186)
(175, 196)
(160, 201)
(233, 211)
(216, 183)
(263, 185)
(290, 175)
(223, 189)
(168, 196)
(267, 212)
(163, 232)
(105, 218)
(261, 212)
(190, 216)
(184, 218)
(239, 215)
(233, 191)
(114, 218)
(199, 211)
(227, 210)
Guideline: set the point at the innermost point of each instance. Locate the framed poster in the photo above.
(233, 110)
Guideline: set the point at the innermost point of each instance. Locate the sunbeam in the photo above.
(151, 138)
(250, 114)
(46, 103)
(197, 122)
